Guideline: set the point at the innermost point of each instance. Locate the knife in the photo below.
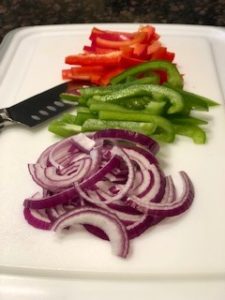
(36, 109)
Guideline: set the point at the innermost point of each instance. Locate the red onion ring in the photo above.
(108, 222)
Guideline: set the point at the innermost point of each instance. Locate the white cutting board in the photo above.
(189, 246)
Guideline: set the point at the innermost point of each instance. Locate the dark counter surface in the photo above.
(18, 13)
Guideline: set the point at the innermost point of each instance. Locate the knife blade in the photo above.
(36, 109)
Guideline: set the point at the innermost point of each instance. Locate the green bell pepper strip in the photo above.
(68, 118)
(94, 125)
(83, 109)
(195, 101)
(187, 120)
(69, 97)
(136, 103)
(174, 77)
(63, 129)
(167, 131)
(174, 98)
(197, 134)
(82, 117)
(98, 106)
(154, 108)
(92, 91)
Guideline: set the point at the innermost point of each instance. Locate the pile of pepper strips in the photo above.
(112, 52)
(141, 92)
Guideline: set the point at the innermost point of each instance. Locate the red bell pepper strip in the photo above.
(139, 49)
(66, 74)
(153, 47)
(151, 35)
(110, 35)
(139, 37)
(127, 61)
(87, 70)
(162, 54)
(97, 50)
(109, 74)
(169, 56)
(92, 59)
(92, 74)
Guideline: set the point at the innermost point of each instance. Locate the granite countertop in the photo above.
(18, 13)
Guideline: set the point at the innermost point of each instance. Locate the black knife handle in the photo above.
(5, 120)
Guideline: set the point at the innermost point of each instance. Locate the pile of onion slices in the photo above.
(110, 182)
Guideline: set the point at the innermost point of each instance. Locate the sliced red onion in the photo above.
(99, 175)
(44, 157)
(105, 182)
(66, 180)
(95, 155)
(133, 231)
(49, 179)
(59, 151)
(83, 142)
(170, 191)
(37, 218)
(130, 136)
(167, 209)
(152, 187)
(106, 221)
(52, 214)
(110, 198)
(63, 197)
(134, 221)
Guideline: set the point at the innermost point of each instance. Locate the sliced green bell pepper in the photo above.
(187, 120)
(152, 108)
(94, 125)
(174, 77)
(196, 133)
(139, 91)
(104, 90)
(166, 129)
(82, 117)
(63, 129)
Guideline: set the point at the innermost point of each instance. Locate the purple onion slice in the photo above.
(102, 219)
(64, 197)
(130, 136)
(167, 209)
(37, 218)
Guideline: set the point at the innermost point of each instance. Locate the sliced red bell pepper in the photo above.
(159, 54)
(100, 42)
(127, 61)
(109, 74)
(90, 59)
(139, 50)
(66, 74)
(162, 54)
(91, 73)
(87, 70)
(110, 35)
(91, 77)
(97, 50)
(112, 52)
(151, 35)
(169, 56)
(152, 48)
